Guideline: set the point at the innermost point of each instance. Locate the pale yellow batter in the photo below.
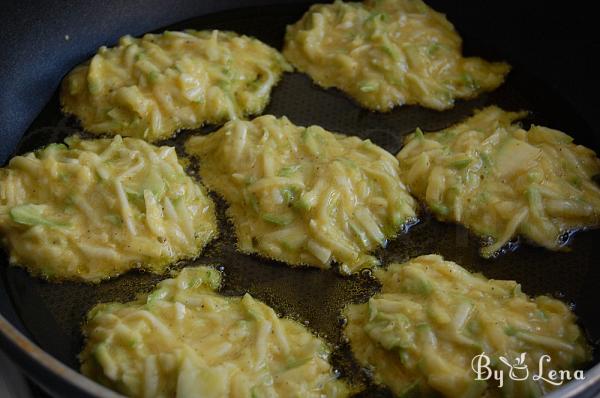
(304, 195)
(184, 339)
(501, 181)
(385, 53)
(153, 86)
(432, 317)
(93, 209)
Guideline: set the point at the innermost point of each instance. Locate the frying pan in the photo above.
(549, 47)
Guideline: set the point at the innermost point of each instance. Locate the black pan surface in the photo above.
(52, 313)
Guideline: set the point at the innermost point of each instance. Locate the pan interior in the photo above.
(52, 313)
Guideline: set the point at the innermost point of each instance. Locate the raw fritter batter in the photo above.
(93, 209)
(501, 181)
(153, 86)
(432, 317)
(385, 53)
(304, 195)
(185, 340)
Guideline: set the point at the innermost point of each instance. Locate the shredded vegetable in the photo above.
(97, 208)
(304, 195)
(502, 181)
(432, 317)
(385, 53)
(153, 86)
(183, 339)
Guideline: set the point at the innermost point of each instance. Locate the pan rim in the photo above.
(34, 362)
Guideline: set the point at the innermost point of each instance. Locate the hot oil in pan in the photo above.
(53, 313)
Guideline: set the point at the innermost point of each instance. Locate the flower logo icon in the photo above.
(518, 370)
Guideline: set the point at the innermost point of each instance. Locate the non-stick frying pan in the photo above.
(40, 321)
